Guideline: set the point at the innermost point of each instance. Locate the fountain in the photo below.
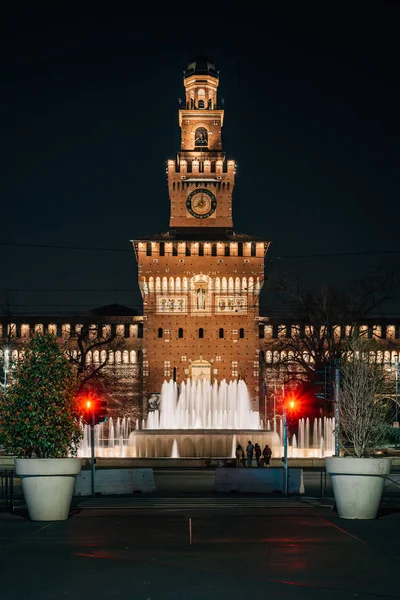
(201, 419)
(205, 420)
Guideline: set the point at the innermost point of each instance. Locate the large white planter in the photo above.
(358, 485)
(48, 484)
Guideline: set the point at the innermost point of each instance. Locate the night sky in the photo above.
(89, 116)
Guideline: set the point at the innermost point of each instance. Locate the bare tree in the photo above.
(363, 413)
(80, 347)
(326, 317)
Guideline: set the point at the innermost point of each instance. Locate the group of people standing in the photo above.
(262, 458)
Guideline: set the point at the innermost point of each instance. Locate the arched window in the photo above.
(201, 332)
(160, 332)
(241, 332)
(201, 136)
(180, 332)
(221, 332)
(201, 103)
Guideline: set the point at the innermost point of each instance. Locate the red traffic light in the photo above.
(94, 410)
(292, 404)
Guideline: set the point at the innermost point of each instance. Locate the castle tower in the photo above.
(200, 281)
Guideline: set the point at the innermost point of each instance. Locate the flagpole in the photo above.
(265, 405)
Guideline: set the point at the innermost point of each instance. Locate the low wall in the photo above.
(258, 480)
(115, 481)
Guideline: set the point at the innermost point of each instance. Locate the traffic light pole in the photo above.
(92, 460)
(285, 449)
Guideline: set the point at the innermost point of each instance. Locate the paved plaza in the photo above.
(242, 547)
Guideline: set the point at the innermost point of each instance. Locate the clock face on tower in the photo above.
(201, 203)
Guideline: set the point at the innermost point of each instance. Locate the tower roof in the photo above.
(201, 65)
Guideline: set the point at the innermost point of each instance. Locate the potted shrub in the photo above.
(40, 426)
(358, 479)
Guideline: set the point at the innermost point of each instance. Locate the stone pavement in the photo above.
(242, 548)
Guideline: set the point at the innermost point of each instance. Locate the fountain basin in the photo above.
(196, 443)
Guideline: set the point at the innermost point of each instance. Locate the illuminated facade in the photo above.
(200, 281)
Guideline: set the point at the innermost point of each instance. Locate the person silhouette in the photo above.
(249, 452)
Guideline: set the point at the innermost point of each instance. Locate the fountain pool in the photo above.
(201, 419)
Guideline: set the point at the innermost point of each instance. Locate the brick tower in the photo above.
(200, 281)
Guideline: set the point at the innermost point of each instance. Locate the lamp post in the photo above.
(396, 375)
(285, 448)
(6, 364)
(337, 386)
(396, 398)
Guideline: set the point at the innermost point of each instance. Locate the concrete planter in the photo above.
(358, 485)
(48, 484)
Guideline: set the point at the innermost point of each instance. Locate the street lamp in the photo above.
(396, 375)
(6, 365)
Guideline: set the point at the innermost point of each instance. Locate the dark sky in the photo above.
(89, 116)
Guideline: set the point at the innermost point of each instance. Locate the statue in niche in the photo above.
(201, 137)
(201, 298)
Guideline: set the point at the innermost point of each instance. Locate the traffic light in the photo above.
(94, 410)
(87, 410)
(100, 414)
(292, 404)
